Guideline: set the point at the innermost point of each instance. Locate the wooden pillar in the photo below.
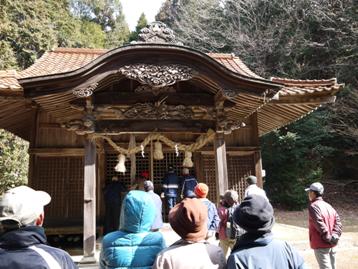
(258, 168)
(220, 165)
(89, 207)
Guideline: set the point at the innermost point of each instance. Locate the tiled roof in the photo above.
(8, 80)
(63, 60)
(296, 97)
(296, 87)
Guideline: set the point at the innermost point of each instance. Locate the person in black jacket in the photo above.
(23, 243)
(170, 187)
(188, 184)
(113, 195)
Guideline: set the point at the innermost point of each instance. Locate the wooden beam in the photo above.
(57, 151)
(220, 165)
(89, 207)
(130, 98)
(132, 126)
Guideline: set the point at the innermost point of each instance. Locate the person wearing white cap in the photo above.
(23, 242)
(325, 227)
(253, 188)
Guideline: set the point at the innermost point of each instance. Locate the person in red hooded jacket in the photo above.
(325, 227)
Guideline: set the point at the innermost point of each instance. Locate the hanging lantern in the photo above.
(158, 151)
(120, 167)
(187, 160)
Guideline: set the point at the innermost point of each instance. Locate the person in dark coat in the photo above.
(23, 243)
(257, 248)
(188, 184)
(170, 187)
(113, 193)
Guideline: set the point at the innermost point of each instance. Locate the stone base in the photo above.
(88, 260)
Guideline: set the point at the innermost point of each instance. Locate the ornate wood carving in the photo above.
(229, 93)
(154, 90)
(157, 32)
(159, 111)
(81, 126)
(86, 91)
(157, 76)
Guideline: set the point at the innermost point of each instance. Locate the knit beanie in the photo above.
(201, 190)
(251, 180)
(254, 214)
(189, 219)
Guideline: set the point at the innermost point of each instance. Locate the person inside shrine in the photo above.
(170, 187)
(139, 182)
(113, 195)
(188, 184)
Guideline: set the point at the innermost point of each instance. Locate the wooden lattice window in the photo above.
(239, 167)
(160, 167)
(62, 178)
(209, 176)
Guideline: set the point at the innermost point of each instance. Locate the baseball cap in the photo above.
(23, 204)
(318, 187)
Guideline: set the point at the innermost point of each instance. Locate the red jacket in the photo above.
(323, 223)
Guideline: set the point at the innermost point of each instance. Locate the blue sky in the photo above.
(133, 8)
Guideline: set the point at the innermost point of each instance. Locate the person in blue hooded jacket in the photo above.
(134, 245)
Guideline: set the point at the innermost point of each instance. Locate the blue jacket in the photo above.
(213, 216)
(171, 184)
(262, 251)
(19, 249)
(188, 185)
(133, 246)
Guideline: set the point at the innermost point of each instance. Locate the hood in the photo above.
(249, 240)
(23, 237)
(138, 212)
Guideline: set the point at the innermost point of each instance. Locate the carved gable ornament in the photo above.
(157, 75)
(157, 32)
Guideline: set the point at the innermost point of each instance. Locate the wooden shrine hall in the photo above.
(82, 109)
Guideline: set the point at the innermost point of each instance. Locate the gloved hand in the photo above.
(334, 239)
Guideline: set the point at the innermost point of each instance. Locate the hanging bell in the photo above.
(120, 167)
(158, 151)
(187, 160)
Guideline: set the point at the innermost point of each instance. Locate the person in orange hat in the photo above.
(201, 191)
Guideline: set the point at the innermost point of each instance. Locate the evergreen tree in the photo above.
(142, 22)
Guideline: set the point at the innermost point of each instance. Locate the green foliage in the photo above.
(293, 158)
(107, 14)
(142, 22)
(13, 161)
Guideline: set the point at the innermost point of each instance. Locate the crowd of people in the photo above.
(135, 240)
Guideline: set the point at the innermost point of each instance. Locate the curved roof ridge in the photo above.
(304, 82)
(61, 60)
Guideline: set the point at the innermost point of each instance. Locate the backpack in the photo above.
(232, 231)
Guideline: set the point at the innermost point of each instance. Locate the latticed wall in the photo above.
(62, 178)
(239, 167)
(209, 176)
